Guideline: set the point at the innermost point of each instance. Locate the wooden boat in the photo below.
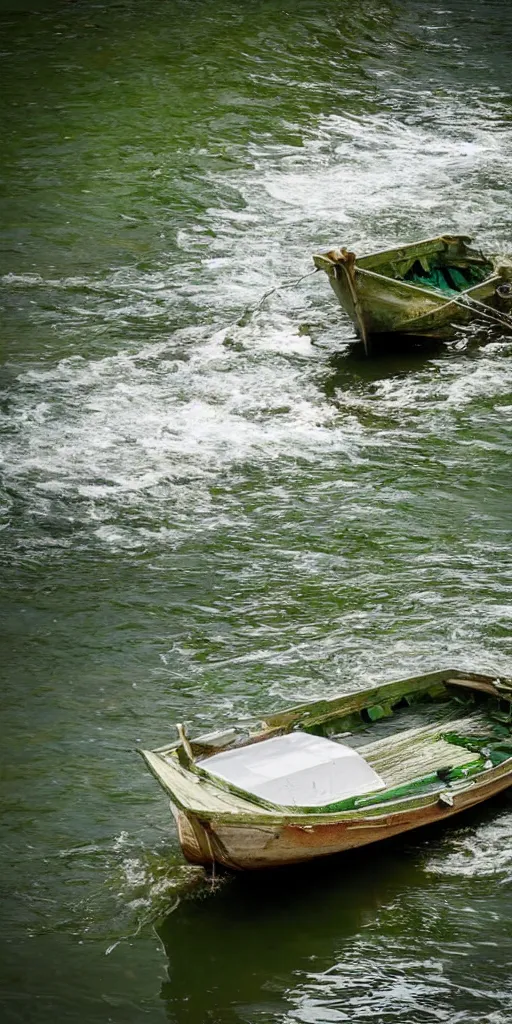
(425, 289)
(438, 744)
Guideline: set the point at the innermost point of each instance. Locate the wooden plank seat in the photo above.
(416, 752)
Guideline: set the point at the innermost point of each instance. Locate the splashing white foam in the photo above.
(480, 851)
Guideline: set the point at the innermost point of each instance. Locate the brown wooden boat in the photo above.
(370, 764)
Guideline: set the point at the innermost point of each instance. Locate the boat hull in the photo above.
(380, 301)
(255, 845)
(407, 311)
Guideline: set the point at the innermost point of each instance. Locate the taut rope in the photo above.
(250, 310)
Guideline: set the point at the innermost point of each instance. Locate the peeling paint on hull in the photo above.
(252, 847)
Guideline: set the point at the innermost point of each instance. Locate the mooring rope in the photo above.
(497, 317)
(249, 311)
(467, 302)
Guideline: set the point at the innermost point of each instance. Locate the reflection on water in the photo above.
(345, 370)
(381, 934)
(258, 935)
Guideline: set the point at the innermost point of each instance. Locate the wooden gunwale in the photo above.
(318, 711)
(492, 280)
(413, 249)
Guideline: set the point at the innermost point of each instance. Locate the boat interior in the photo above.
(417, 742)
(415, 745)
(442, 267)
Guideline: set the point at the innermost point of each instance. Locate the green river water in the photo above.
(207, 514)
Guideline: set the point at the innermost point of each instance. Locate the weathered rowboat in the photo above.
(340, 773)
(425, 289)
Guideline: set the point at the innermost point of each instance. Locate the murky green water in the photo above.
(202, 518)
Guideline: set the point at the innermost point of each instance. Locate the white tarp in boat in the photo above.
(296, 769)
